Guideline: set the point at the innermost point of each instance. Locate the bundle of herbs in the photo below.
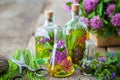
(13, 70)
(107, 66)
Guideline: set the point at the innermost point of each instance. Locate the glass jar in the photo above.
(88, 57)
(60, 62)
(44, 39)
(76, 34)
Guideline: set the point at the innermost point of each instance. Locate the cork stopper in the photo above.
(75, 8)
(49, 14)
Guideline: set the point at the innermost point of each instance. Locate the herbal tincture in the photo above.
(60, 62)
(44, 39)
(76, 34)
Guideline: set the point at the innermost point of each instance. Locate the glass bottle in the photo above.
(88, 57)
(76, 34)
(44, 39)
(60, 62)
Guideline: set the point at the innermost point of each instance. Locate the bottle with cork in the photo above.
(44, 39)
(76, 35)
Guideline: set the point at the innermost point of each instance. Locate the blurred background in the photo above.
(18, 20)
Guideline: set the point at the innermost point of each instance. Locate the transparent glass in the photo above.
(44, 39)
(60, 62)
(88, 57)
(76, 34)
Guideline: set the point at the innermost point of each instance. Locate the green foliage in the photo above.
(92, 14)
(107, 67)
(106, 1)
(44, 49)
(30, 60)
(74, 34)
(69, 3)
(117, 9)
(108, 29)
(99, 10)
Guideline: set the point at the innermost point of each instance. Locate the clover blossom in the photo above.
(96, 22)
(110, 9)
(85, 20)
(90, 5)
(116, 19)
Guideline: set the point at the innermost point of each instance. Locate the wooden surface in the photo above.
(101, 42)
(17, 23)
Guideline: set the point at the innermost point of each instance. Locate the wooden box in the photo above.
(101, 42)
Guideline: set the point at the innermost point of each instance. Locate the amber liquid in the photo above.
(62, 69)
(76, 44)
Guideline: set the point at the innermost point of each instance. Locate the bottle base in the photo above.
(61, 74)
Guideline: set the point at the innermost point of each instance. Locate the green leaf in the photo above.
(69, 3)
(105, 21)
(117, 9)
(108, 61)
(107, 34)
(99, 9)
(92, 14)
(98, 54)
(106, 1)
(106, 71)
(100, 77)
(108, 54)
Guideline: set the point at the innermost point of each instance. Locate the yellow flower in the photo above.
(69, 58)
(40, 48)
(54, 71)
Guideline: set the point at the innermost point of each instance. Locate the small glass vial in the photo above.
(60, 62)
(76, 34)
(44, 39)
(89, 55)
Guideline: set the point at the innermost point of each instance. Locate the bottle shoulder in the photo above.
(44, 30)
(73, 24)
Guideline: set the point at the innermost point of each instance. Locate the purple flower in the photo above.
(118, 65)
(90, 5)
(105, 77)
(59, 56)
(110, 9)
(116, 19)
(112, 54)
(113, 75)
(67, 8)
(102, 59)
(60, 44)
(96, 22)
(98, 65)
(85, 20)
(43, 40)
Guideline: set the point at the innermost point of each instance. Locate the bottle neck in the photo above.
(59, 35)
(75, 15)
(90, 49)
(49, 21)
